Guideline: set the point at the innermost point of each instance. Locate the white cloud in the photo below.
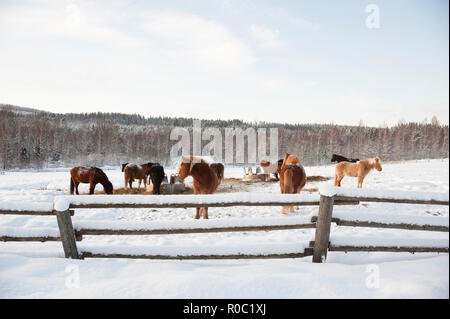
(295, 20)
(203, 42)
(266, 37)
(71, 21)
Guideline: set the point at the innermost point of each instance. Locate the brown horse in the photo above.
(292, 178)
(205, 178)
(134, 171)
(359, 169)
(219, 169)
(91, 175)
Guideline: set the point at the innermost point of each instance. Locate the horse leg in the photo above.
(205, 212)
(126, 182)
(337, 180)
(360, 181)
(76, 188)
(92, 187)
(139, 183)
(197, 213)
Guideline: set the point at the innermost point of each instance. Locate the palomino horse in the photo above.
(292, 178)
(271, 168)
(340, 158)
(91, 175)
(157, 174)
(205, 178)
(359, 169)
(134, 171)
(219, 169)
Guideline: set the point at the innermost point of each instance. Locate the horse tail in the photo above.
(72, 186)
(290, 180)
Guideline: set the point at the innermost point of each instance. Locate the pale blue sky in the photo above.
(283, 61)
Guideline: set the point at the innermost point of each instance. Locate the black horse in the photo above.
(340, 158)
(156, 173)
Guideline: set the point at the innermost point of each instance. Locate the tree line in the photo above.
(36, 139)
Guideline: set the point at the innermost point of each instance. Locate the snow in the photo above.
(174, 251)
(191, 224)
(401, 275)
(27, 200)
(351, 236)
(38, 270)
(29, 232)
(329, 191)
(62, 203)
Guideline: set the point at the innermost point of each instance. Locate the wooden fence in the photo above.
(318, 248)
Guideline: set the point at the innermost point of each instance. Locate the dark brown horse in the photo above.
(219, 169)
(292, 178)
(205, 178)
(134, 171)
(340, 158)
(157, 174)
(91, 175)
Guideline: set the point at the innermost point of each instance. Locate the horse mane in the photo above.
(100, 172)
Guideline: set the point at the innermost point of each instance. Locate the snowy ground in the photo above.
(37, 270)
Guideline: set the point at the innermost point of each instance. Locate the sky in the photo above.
(343, 62)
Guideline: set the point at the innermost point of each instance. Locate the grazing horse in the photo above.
(91, 175)
(157, 174)
(134, 171)
(271, 168)
(292, 178)
(219, 169)
(340, 158)
(205, 178)
(359, 169)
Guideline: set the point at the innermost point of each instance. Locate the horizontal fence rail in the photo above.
(390, 249)
(374, 224)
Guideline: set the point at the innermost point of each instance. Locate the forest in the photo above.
(30, 138)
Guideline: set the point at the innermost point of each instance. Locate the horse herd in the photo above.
(207, 177)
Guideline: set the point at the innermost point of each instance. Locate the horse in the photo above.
(91, 175)
(157, 175)
(134, 171)
(292, 178)
(205, 178)
(271, 168)
(340, 158)
(219, 169)
(359, 169)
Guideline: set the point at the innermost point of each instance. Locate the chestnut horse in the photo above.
(205, 178)
(91, 175)
(292, 178)
(359, 169)
(134, 171)
(219, 169)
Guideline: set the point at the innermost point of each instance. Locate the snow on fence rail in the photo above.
(386, 196)
(328, 197)
(63, 203)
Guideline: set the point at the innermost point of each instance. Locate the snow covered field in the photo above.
(37, 270)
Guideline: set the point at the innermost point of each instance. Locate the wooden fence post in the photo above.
(323, 226)
(67, 234)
